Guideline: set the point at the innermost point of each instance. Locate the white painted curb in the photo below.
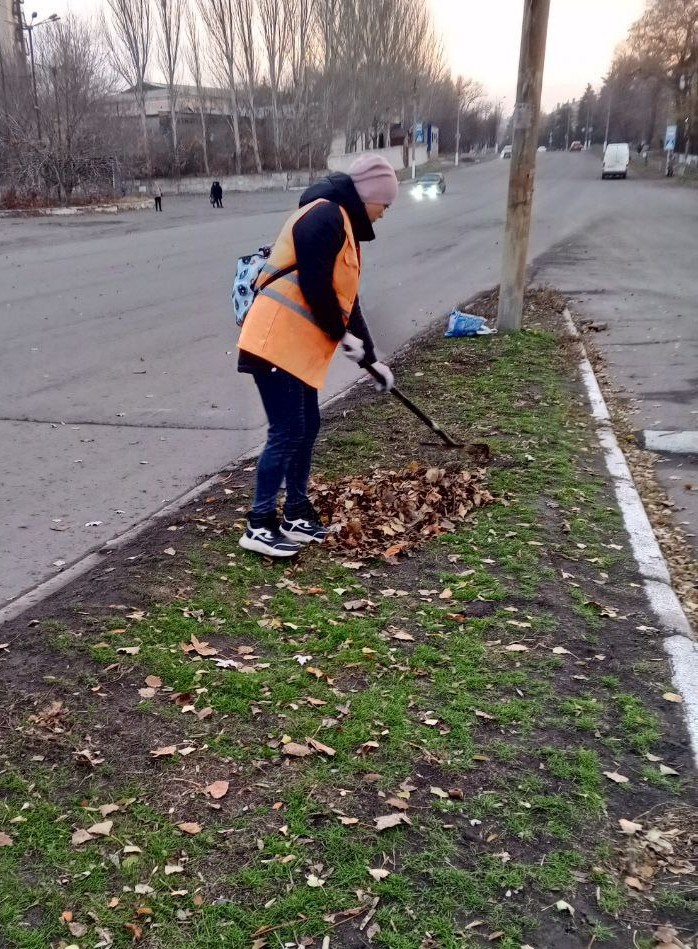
(679, 644)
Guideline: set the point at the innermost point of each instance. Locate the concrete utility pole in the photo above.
(523, 161)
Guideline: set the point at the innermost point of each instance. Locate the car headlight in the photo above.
(417, 193)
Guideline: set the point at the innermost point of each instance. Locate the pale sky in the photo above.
(481, 40)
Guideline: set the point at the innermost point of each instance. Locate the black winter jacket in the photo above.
(318, 237)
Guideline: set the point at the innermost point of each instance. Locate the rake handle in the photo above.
(415, 409)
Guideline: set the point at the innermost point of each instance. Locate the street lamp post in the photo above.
(414, 129)
(459, 96)
(608, 118)
(29, 29)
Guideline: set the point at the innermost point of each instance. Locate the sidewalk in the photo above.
(455, 728)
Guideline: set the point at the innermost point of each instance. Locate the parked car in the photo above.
(541, 149)
(576, 147)
(505, 152)
(429, 186)
(616, 159)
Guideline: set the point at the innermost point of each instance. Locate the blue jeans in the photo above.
(294, 422)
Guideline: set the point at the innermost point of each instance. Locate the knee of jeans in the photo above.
(285, 439)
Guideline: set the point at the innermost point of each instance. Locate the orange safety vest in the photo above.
(280, 326)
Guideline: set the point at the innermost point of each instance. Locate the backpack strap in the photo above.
(276, 276)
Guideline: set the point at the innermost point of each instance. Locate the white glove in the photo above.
(353, 347)
(387, 381)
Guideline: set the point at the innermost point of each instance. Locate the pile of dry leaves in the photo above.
(388, 513)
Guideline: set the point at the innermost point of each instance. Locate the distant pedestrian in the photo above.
(157, 195)
(216, 194)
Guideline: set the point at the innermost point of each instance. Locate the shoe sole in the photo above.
(301, 538)
(257, 547)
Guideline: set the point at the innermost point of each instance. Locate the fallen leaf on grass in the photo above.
(348, 821)
(323, 749)
(439, 792)
(562, 906)
(296, 750)
(673, 697)
(666, 770)
(314, 881)
(200, 647)
(129, 650)
(561, 651)
(616, 777)
(171, 868)
(153, 682)
(446, 594)
(629, 827)
(190, 827)
(390, 820)
(5, 840)
(667, 935)
(81, 837)
(378, 874)
(218, 789)
(170, 551)
(102, 829)
(398, 803)
(634, 883)
(400, 634)
(164, 751)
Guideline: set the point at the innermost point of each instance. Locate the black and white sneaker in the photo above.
(305, 528)
(263, 537)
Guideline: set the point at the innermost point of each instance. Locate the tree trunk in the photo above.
(204, 140)
(173, 129)
(275, 125)
(236, 127)
(255, 143)
(146, 142)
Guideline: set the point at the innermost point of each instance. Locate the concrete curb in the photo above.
(96, 557)
(680, 643)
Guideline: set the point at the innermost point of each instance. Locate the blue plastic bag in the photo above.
(466, 324)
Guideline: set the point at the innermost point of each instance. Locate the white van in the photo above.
(506, 152)
(616, 159)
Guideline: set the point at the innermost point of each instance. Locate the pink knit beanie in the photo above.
(374, 179)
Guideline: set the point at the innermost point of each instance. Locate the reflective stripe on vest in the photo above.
(280, 326)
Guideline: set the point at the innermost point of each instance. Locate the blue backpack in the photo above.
(245, 283)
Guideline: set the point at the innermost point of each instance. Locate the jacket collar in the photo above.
(339, 188)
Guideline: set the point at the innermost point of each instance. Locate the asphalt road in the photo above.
(118, 389)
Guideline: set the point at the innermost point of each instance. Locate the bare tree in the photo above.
(246, 25)
(299, 14)
(76, 148)
(193, 58)
(127, 30)
(170, 18)
(276, 34)
(219, 17)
